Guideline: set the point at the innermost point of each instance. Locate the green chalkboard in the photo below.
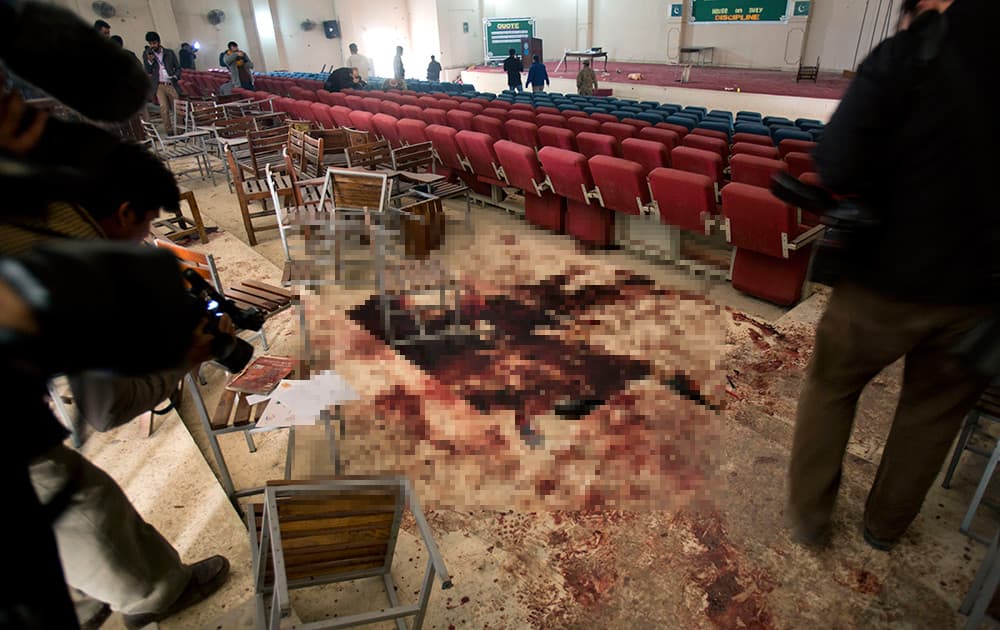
(502, 34)
(724, 11)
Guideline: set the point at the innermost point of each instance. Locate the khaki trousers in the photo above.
(165, 96)
(108, 551)
(860, 333)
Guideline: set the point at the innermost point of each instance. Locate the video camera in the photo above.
(230, 351)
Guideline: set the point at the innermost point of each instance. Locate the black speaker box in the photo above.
(332, 29)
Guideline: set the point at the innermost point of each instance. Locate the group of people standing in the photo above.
(538, 76)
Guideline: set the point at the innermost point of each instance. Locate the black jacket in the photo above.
(339, 79)
(914, 140)
(513, 67)
(173, 67)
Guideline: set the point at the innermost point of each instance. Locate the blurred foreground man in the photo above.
(923, 280)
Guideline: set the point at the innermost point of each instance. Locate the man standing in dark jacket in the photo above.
(513, 67)
(163, 69)
(924, 280)
(538, 76)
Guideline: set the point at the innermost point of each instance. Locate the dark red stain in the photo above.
(766, 328)
(517, 368)
(409, 408)
(866, 582)
(735, 595)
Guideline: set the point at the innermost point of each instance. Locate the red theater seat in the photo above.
(667, 138)
(579, 124)
(323, 115)
(496, 112)
(521, 114)
(557, 137)
(574, 113)
(621, 184)
(603, 118)
(769, 152)
(545, 109)
(460, 119)
(585, 219)
(542, 207)
(523, 133)
(385, 128)
(391, 108)
(646, 153)
(446, 147)
(362, 120)
(753, 138)
(796, 146)
(490, 126)
(411, 111)
(592, 144)
(412, 131)
(434, 116)
(685, 200)
(707, 163)
(711, 133)
(478, 150)
(355, 102)
(635, 122)
(428, 101)
(754, 170)
(680, 130)
(523, 107)
(323, 96)
(341, 115)
(371, 104)
(553, 120)
(760, 226)
(472, 108)
(705, 143)
(618, 130)
(799, 163)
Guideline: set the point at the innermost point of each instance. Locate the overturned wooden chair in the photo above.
(310, 533)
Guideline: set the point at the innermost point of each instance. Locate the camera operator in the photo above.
(108, 551)
(920, 281)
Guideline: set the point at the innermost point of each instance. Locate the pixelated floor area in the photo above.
(473, 420)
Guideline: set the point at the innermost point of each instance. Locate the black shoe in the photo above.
(97, 619)
(878, 543)
(206, 578)
(574, 409)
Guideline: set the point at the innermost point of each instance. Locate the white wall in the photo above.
(307, 51)
(424, 37)
(377, 27)
(460, 49)
(835, 27)
(633, 31)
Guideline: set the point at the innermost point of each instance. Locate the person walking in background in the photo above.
(398, 71)
(163, 69)
(538, 76)
(513, 67)
(240, 65)
(433, 70)
(918, 283)
(187, 56)
(586, 80)
(362, 63)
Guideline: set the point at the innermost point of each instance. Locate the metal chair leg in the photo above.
(977, 498)
(985, 594)
(213, 442)
(963, 439)
(250, 443)
(977, 583)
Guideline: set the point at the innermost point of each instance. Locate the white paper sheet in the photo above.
(300, 402)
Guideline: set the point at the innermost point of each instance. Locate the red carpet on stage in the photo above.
(777, 82)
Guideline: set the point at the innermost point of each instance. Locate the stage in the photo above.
(766, 91)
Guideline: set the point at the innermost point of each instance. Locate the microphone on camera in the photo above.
(48, 46)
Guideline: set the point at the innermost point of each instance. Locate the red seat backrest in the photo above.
(411, 111)
(504, 105)
(571, 113)
(371, 104)
(553, 120)
(647, 153)
(753, 138)
(668, 138)
(693, 160)
(521, 114)
(391, 108)
(490, 126)
(325, 97)
(545, 109)
(362, 120)
(604, 118)
(385, 126)
(520, 164)
(592, 144)
(496, 112)
(323, 115)
(443, 139)
(796, 146)
(459, 119)
(341, 115)
(568, 172)
(523, 107)
(473, 108)
(757, 219)
(684, 199)
(711, 133)
(412, 131)
(680, 130)
(754, 170)
(523, 133)
(428, 101)
(557, 137)
(580, 124)
(354, 101)
(618, 130)
(770, 152)
(635, 122)
(708, 144)
(799, 163)
(478, 149)
(435, 116)
(622, 183)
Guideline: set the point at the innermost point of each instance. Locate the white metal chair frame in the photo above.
(181, 146)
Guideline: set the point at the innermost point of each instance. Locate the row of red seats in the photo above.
(576, 182)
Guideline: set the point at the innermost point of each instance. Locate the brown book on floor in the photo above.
(262, 375)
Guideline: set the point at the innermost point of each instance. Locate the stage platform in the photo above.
(766, 91)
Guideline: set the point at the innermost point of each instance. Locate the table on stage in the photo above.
(581, 55)
(700, 51)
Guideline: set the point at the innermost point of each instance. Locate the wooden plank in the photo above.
(332, 568)
(276, 300)
(235, 293)
(334, 554)
(220, 419)
(270, 288)
(242, 417)
(359, 537)
(367, 521)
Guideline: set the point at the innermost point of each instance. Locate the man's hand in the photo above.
(201, 344)
(16, 138)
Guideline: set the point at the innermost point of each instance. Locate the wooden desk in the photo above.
(700, 51)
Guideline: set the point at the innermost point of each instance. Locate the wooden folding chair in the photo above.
(357, 136)
(309, 533)
(370, 156)
(335, 141)
(265, 148)
(250, 189)
(306, 153)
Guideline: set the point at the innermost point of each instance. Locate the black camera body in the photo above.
(229, 350)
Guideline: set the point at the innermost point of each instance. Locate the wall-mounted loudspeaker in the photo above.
(332, 29)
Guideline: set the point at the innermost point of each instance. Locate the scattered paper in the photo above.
(300, 402)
